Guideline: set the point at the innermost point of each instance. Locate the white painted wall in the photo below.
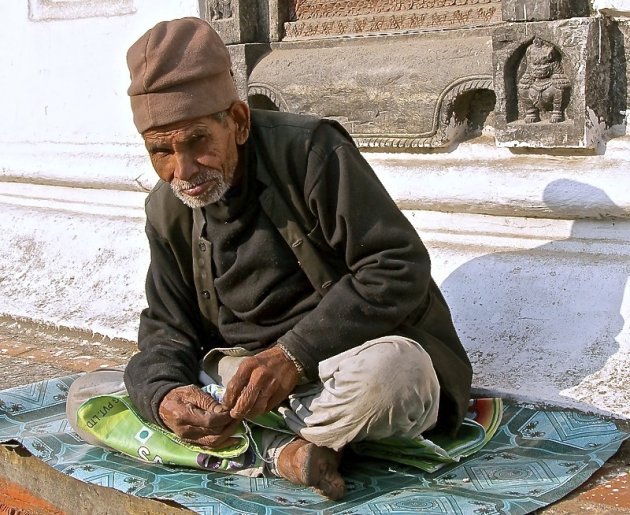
(533, 256)
(532, 251)
(63, 90)
(612, 7)
(73, 171)
(70, 75)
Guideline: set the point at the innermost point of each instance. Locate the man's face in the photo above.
(198, 158)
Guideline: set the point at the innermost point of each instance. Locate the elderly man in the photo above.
(281, 269)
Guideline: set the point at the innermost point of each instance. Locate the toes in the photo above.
(320, 465)
(333, 487)
(307, 464)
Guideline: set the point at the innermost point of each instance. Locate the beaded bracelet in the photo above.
(300, 368)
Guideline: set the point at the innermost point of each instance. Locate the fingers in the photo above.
(260, 384)
(238, 382)
(212, 442)
(195, 436)
(250, 389)
(210, 411)
(201, 399)
(209, 420)
(188, 405)
(219, 441)
(195, 416)
(254, 398)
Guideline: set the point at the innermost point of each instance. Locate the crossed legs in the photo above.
(385, 387)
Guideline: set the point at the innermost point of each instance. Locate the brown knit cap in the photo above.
(180, 70)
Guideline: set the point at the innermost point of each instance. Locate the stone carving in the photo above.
(543, 88)
(406, 92)
(460, 112)
(236, 21)
(319, 18)
(465, 108)
(558, 72)
(265, 96)
(541, 10)
(308, 9)
(219, 9)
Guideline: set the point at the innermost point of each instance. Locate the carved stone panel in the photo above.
(236, 21)
(311, 19)
(552, 81)
(541, 10)
(543, 89)
(396, 92)
(219, 9)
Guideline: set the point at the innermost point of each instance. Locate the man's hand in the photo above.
(260, 384)
(198, 418)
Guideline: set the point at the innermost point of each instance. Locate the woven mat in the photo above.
(535, 458)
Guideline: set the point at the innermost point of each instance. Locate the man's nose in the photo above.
(185, 166)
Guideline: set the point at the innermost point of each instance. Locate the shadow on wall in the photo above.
(538, 321)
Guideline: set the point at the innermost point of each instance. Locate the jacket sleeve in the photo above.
(168, 337)
(388, 267)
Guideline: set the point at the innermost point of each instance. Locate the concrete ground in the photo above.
(30, 352)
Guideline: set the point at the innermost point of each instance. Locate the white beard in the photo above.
(210, 196)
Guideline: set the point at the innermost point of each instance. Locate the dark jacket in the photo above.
(364, 262)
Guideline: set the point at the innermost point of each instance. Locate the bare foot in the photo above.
(304, 463)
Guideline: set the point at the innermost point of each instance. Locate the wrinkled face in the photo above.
(199, 157)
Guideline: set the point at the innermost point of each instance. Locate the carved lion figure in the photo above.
(543, 87)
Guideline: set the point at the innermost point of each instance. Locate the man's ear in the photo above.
(239, 111)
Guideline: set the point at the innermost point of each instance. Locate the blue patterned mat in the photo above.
(535, 458)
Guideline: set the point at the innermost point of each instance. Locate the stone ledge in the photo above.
(124, 167)
(477, 177)
(480, 178)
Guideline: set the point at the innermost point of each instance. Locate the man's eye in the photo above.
(197, 138)
(160, 152)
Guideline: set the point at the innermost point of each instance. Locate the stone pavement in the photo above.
(31, 352)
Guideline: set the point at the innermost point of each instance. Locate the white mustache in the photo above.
(201, 177)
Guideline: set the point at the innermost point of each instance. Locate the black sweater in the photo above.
(382, 281)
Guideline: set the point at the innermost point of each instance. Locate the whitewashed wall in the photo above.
(532, 251)
(533, 256)
(73, 173)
